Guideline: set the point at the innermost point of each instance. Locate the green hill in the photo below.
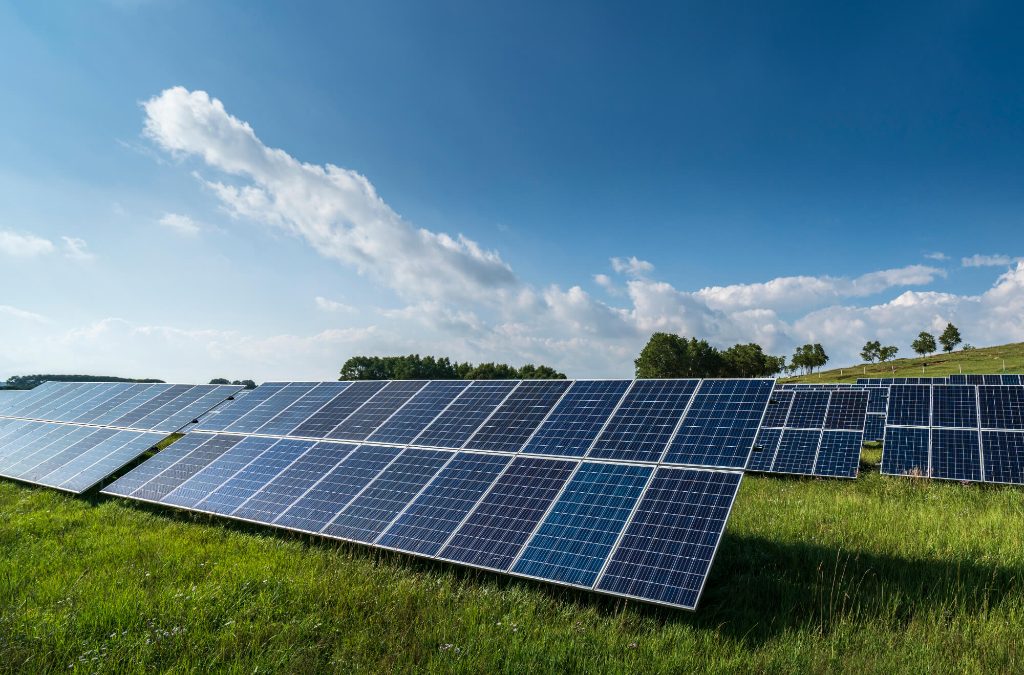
(1001, 359)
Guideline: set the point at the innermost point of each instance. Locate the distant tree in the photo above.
(248, 384)
(871, 350)
(532, 372)
(810, 356)
(924, 344)
(967, 347)
(749, 360)
(668, 355)
(33, 381)
(220, 380)
(950, 338)
(887, 352)
(416, 367)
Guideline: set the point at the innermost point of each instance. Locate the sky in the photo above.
(192, 190)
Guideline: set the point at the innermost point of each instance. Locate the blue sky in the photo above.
(191, 190)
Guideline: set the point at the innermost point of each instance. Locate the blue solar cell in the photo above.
(1004, 456)
(59, 459)
(154, 466)
(874, 428)
(778, 409)
(878, 399)
(464, 415)
(293, 482)
(27, 460)
(42, 436)
(846, 411)
(189, 465)
(909, 405)
(905, 451)
(297, 413)
(1001, 407)
(991, 379)
(498, 527)
(433, 516)
(797, 451)
(839, 454)
(107, 457)
(955, 454)
(578, 418)
(129, 419)
(956, 379)
(808, 409)
(1010, 379)
(159, 415)
(372, 511)
(247, 482)
(642, 426)
(328, 497)
(124, 394)
(765, 447)
(955, 406)
(721, 423)
(975, 379)
(668, 546)
(269, 409)
(339, 408)
(421, 410)
(89, 452)
(512, 423)
(573, 542)
(377, 410)
(230, 414)
(138, 394)
(217, 472)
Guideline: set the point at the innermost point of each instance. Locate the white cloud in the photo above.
(328, 305)
(181, 224)
(979, 260)
(77, 249)
(336, 210)
(22, 314)
(632, 266)
(24, 245)
(937, 255)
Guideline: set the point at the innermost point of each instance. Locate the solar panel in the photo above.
(967, 433)
(522, 497)
(66, 454)
(874, 428)
(367, 417)
(323, 422)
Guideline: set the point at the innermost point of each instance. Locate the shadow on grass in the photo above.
(757, 590)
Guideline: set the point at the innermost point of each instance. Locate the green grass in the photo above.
(874, 575)
(987, 360)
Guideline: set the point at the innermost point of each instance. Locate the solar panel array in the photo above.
(956, 432)
(621, 487)
(812, 432)
(72, 435)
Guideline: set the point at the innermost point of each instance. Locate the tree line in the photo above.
(416, 367)
(33, 381)
(669, 355)
(248, 384)
(923, 345)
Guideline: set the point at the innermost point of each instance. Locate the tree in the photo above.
(33, 381)
(416, 367)
(664, 355)
(532, 372)
(749, 360)
(248, 384)
(810, 356)
(871, 350)
(888, 352)
(924, 344)
(220, 380)
(950, 338)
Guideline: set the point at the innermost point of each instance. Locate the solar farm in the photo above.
(602, 498)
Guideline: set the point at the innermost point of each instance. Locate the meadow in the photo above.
(874, 575)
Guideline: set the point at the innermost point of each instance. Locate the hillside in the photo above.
(1003, 358)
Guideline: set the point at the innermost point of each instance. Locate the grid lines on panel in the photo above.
(512, 423)
(453, 427)
(645, 420)
(578, 418)
(412, 418)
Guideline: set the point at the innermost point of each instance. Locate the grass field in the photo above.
(874, 575)
(1007, 358)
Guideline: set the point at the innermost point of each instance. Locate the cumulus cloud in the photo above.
(336, 210)
(632, 266)
(24, 245)
(328, 305)
(979, 260)
(181, 224)
(77, 249)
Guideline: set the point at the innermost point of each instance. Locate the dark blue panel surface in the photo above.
(298, 412)
(808, 409)
(126, 393)
(839, 454)
(90, 449)
(140, 394)
(513, 422)
(247, 482)
(765, 447)
(846, 411)
(185, 468)
(721, 423)
(1001, 407)
(414, 416)
(874, 428)
(377, 410)
(778, 409)
(578, 418)
(103, 459)
(992, 379)
(151, 468)
(433, 516)
(499, 526)
(328, 497)
(129, 419)
(198, 487)
(645, 420)
(1003, 452)
(955, 454)
(878, 399)
(340, 407)
(228, 415)
(797, 451)
(372, 511)
(577, 535)
(668, 546)
(905, 451)
(269, 409)
(909, 405)
(455, 425)
(956, 379)
(57, 460)
(955, 406)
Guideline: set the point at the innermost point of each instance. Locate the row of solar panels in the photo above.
(124, 405)
(949, 379)
(706, 423)
(633, 530)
